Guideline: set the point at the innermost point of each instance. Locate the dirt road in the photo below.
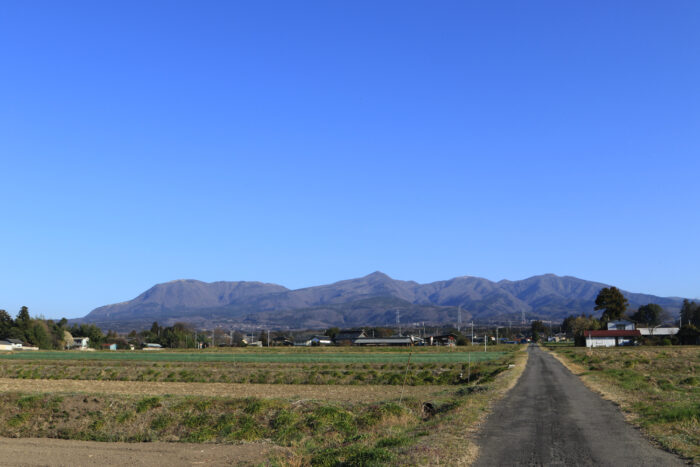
(551, 418)
(33, 452)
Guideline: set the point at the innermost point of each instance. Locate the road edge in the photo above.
(504, 382)
(610, 393)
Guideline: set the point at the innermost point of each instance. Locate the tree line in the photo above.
(45, 334)
(615, 307)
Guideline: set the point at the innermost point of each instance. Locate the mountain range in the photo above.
(372, 300)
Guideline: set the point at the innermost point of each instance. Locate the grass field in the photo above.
(657, 387)
(324, 407)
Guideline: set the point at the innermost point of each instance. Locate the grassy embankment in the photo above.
(658, 388)
(313, 431)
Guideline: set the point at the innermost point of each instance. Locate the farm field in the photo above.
(314, 406)
(271, 355)
(658, 388)
(328, 392)
(267, 367)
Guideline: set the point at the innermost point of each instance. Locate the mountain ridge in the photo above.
(369, 300)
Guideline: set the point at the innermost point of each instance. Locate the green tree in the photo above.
(23, 319)
(88, 330)
(538, 328)
(576, 325)
(38, 334)
(651, 315)
(690, 313)
(6, 323)
(614, 304)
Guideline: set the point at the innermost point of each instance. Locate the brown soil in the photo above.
(56, 452)
(365, 393)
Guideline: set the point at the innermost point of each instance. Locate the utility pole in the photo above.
(484, 342)
(472, 332)
(459, 319)
(398, 321)
(268, 338)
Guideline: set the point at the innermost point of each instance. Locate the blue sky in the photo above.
(307, 142)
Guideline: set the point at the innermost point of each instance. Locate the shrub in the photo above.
(147, 404)
(161, 422)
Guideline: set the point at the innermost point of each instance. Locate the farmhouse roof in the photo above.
(14, 341)
(349, 335)
(658, 331)
(5, 342)
(613, 333)
(384, 340)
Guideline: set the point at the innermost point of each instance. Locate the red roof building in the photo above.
(611, 338)
(613, 333)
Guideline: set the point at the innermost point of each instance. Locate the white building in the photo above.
(16, 344)
(611, 338)
(620, 325)
(81, 343)
(659, 331)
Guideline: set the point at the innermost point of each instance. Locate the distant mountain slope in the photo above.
(368, 300)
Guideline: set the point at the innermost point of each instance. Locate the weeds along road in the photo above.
(551, 418)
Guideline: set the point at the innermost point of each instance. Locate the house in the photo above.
(16, 344)
(558, 337)
(349, 337)
(5, 345)
(151, 346)
(109, 346)
(302, 341)
(281, 340)
(620, 325)
(665, 332)
(316, 340)
(611, 338)
(385, 341)
(321, 340)
(81, 343)
(444, 339)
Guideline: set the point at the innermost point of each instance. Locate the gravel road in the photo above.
(551, 418)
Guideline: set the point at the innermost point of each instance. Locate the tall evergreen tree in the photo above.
(23, 319)
(614, 304)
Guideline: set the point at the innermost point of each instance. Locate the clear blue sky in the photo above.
(307, 142)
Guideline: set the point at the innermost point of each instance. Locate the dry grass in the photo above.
(316, 424)
(451, 441)
(367, 393)
(657, 388)
(276, 372)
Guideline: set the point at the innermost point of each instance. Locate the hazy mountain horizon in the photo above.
(370, 300)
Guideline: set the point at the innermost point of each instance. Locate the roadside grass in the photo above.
(657, 388)
(392, 431)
